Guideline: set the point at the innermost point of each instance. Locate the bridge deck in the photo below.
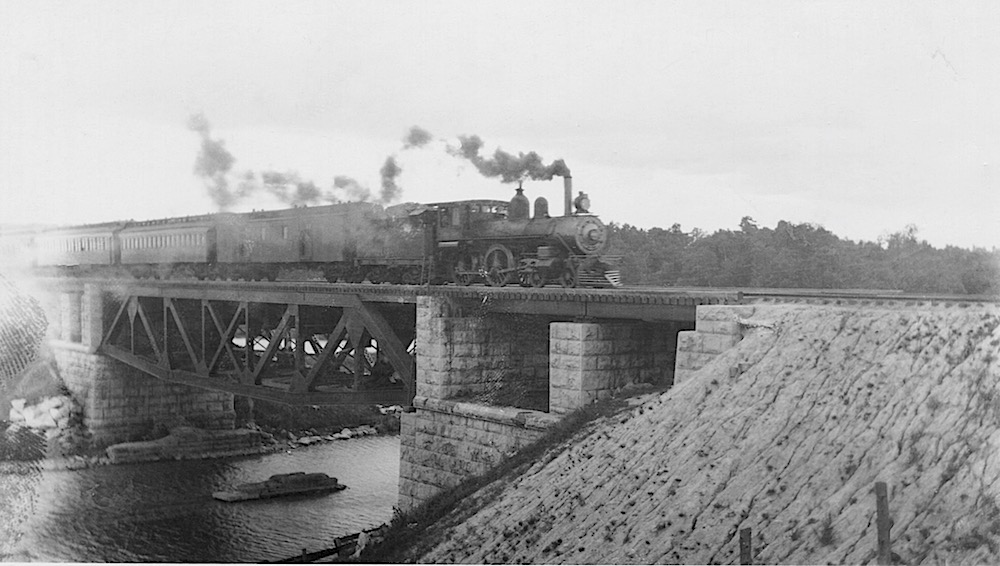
(640, 303)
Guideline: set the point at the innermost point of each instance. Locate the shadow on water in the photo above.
(164, 511)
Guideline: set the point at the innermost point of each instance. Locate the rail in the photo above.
(622, 295)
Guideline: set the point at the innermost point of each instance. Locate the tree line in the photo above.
(799, 256)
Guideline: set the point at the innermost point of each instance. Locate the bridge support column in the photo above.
(468, 363)
(590, 360)
(445, 442)
(69, 316)
(121, 403)
(716, 330)
(91, 317)
(461, 354)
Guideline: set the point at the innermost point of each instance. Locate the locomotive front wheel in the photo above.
(536, 280)
(568, 278)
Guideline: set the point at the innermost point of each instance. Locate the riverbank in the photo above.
(49, 429)
(189, 443)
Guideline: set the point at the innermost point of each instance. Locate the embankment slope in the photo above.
(829, 401)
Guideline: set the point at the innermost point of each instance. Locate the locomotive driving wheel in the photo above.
(499, 264)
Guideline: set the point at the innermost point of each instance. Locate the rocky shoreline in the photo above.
(57, 421)
(188, 443)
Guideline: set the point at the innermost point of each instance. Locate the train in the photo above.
(491, 242)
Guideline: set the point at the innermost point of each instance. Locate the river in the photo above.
(164, 511)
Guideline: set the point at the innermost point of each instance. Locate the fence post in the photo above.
(883, 554)
(746, 548)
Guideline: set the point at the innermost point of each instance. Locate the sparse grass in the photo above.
(850, 468)
(824, 532)
(949, 472)
(974, 539)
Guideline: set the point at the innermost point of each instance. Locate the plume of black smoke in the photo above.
(390, 170)
(416, 137)
(213, 163)
(507, 166)
(354, 190)
(289, 188)
(246, 185)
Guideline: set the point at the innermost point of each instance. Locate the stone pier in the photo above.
(589, 361)
(489, 384)
(717, 328)
(121, 403)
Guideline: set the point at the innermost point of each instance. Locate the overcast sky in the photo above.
(862, 117)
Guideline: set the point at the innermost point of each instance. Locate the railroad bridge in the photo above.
(482, 370)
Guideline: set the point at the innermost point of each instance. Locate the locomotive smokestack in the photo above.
(568, 194)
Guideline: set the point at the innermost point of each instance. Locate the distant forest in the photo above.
(799, 256)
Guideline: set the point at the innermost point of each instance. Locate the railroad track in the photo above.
(861, 297)
(627, 294)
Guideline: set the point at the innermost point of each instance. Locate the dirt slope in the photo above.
(830, 401)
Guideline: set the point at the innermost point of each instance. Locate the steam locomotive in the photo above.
(491, 241)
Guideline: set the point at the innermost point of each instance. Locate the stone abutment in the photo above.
(121, 403)
(488, 384)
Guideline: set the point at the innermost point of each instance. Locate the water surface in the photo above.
(164, 511)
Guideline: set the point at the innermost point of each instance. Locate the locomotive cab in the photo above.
(461, 220)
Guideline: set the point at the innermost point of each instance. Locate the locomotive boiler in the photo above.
(501, 242)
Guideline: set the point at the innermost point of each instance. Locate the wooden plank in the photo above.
(746, 547)
(883, 524)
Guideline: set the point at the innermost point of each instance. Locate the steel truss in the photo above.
(300, 354)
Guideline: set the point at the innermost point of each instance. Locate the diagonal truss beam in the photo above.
(109, 335)
(177, 352)
(153, 342)
(226, 336)
(291, 312)
(306, 383)
(388, 342)
(195, 362)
